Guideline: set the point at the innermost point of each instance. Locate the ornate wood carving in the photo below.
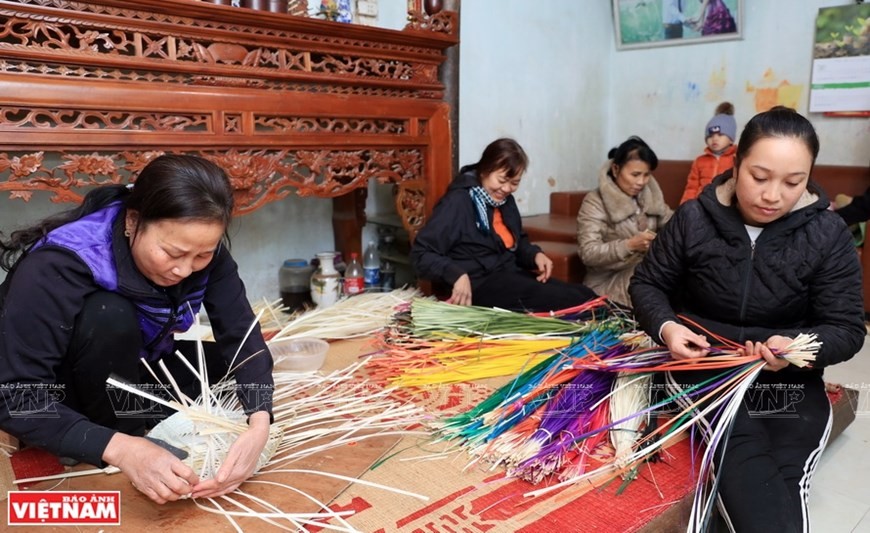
(94, 90)
(150, 41)
(258, 176)
(411, 204)
(45, 118)
(441, 22)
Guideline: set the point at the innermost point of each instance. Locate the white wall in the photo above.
(293, 227)
(666, 95)
(261, 241)
(538, 72)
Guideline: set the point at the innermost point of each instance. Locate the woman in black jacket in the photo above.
(758, 258)
(474, 242)
(93, 290)
(858, 210)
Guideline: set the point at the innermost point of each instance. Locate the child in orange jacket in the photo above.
(718, 156)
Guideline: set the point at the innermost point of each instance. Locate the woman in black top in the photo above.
(474, 241)
(93, 290)
(858, 210)
(759, 258)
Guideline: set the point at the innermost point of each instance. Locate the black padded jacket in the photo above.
(450, 244)
(801, 275)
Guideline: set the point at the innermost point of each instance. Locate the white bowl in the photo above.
(305, 354)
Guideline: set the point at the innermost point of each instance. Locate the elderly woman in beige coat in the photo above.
(618, 220)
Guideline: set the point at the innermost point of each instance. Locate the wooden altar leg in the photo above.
(348, 218)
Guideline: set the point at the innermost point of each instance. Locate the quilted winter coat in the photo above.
(705, 168)
(801, 275)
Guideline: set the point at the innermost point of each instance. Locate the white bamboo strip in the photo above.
(79, 473)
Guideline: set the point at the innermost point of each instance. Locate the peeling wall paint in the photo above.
(716, 84)
(691, 91)
(772, 91)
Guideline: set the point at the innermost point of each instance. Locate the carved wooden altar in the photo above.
(91, 91)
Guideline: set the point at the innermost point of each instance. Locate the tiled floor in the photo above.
(840, 494)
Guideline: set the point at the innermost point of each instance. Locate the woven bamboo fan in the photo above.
(208, 438)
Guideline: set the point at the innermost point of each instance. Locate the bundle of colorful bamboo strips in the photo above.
(433, 319)
(441, 343)
(549, 419)
(442, 361)
(556, 415)
(352, 317)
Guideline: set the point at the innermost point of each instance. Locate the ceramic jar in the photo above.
(433, 7)
(326, 281)
(294, 281)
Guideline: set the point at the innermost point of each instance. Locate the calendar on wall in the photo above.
(841, 60)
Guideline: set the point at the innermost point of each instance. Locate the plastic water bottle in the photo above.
(354, 277)
(388, 276)
(372, 266)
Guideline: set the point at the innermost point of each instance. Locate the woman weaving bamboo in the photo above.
(759, 259)
(475, 243)
(92, 290)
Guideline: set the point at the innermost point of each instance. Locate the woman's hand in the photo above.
(461, 294)
(683, 342)
(641, 242)
(776, 343)
(545, 266)
(154, 471)
(240, 461)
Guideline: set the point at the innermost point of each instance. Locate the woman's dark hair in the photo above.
(634, 148)
(779, 121)
(502, 154)
(169, 187)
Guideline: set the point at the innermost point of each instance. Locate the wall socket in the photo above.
(367, 8)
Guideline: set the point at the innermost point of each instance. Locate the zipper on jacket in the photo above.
(173, 316)
(746, 284)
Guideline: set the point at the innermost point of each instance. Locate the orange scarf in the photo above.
(501, 230)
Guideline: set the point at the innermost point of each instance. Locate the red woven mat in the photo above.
(33, 462)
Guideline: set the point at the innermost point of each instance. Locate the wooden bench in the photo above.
(556, 231)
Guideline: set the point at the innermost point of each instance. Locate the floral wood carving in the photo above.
(441, 22)
(68, 71)
(411, 204)
(247, 29)
(258, 176)
(287, 105)
(168, 45)
(233, 123)
(285, 124)
(18, 118)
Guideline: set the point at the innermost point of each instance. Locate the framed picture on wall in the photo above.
(647, 23)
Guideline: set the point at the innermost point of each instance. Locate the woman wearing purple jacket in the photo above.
(93, 290)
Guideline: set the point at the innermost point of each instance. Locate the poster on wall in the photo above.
(646, 23)
(841, 60)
